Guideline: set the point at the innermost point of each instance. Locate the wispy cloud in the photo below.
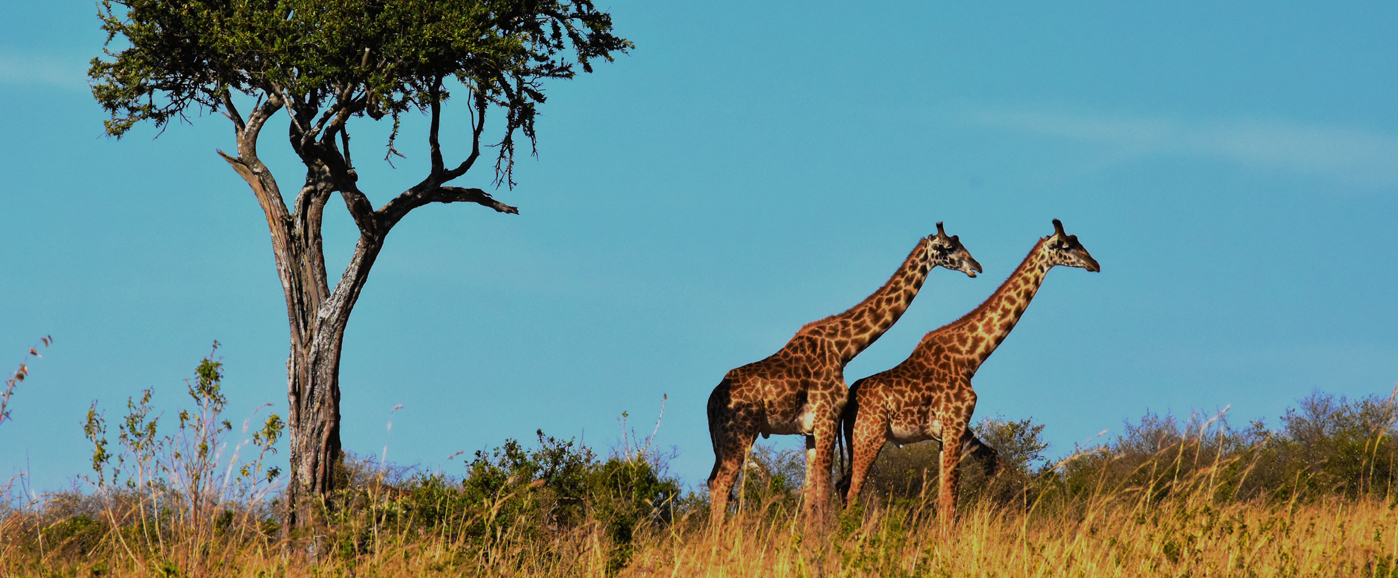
(1352, 155)
(43, 70)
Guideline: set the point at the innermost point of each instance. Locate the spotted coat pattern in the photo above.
(800, 390)
(929, 396)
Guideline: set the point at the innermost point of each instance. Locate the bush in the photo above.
(509, 496)
(1328, 447)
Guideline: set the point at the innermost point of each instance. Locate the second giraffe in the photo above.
(929, 396)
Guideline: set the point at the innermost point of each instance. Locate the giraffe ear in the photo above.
(1058, 229)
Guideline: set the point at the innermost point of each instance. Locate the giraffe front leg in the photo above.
(820, 453)
(957, 416)
(807, 492)
(950, 474)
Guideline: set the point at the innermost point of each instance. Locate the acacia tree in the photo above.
(323, 63)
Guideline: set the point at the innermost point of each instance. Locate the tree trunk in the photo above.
(317, 319)
(313, 424)
(313, 388)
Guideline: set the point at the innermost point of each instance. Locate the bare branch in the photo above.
(477, 126)
(362, 211)
(290, 106)
(471, 195)
(435, 94)
(338, 114)
(231, 112)
(344, 146)
(395, 210)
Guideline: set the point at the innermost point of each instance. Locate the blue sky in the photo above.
(746, 170)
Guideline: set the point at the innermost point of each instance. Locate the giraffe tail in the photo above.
(844, 439)
(717, 400)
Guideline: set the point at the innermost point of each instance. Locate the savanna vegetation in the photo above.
(1317, 495)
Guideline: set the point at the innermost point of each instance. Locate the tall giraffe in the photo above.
(801, 389)
(929, 395)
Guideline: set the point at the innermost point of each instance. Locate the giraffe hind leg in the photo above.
(729, 462)
(867, 437)
(732, 431)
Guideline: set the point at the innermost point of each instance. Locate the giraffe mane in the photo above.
(980, 309)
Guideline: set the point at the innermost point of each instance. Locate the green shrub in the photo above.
(511, 494)
(1327, 447)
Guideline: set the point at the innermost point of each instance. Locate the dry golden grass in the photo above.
(1112, 537)
(1322, 539)
(1289, 503)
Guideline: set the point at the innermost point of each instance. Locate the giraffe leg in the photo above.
(954, 434)
(732, 431)
(955, 431)
(868, 436)
(820, 455)
(808, 492)
(720, 486)
(950, 473)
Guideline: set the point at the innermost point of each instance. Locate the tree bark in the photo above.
(313, 390)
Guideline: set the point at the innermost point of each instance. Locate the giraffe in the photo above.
(801, 389)
(929, 395)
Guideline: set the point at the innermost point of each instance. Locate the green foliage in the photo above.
(772, 479)
(359, 58)
(509, 494)
(1329, 446)
(155, 486)
(1019, 443)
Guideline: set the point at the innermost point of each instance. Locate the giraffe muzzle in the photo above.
(972, 268)
(1092, 265)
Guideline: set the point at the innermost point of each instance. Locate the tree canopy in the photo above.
(326, 61)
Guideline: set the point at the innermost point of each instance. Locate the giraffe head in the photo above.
(948, 252)
(1064, 249)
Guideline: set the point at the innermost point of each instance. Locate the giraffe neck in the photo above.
(992, 321)
(858, 328)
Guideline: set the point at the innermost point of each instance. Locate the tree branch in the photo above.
(477, 127)
(290, 106)
(395, 210)
(435, 94)
(231, 112)
(247, 138)
(362, 211)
